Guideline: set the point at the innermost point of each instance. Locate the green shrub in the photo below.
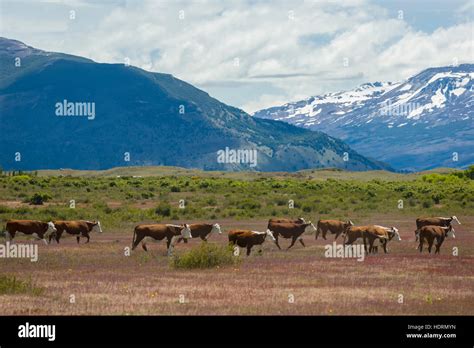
(206, 255)
(163, 210)
(38, 198)
(12, 285)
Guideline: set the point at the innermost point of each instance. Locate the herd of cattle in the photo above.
(430, 230)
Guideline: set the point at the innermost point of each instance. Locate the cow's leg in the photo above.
(365, 244)
(204, 238)
(78, 238)
(337, 235)
(318, 231)
(137, 240)
(293, 240)
(430, 245)
(438, 245)
(420, 246)
(384, 244)
(276, 242)
(301, 241)
(371, 246)
(325, 231)
(249, 248)
(88, 237)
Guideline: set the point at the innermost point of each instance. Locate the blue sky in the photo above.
(254, 54)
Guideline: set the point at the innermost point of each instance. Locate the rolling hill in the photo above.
(139, 118)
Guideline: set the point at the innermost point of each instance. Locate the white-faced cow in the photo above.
(202, 231)
(76, 228)
(37, 229)
(289, 230)
(434, 221)
(380, 234)
(335, 227)
(432, 233)
(247, 239)
(157, 232)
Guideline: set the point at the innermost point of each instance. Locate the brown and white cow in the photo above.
(371, 234)
(380, 234)
(431, 233)
(289, 230)
(335, 227)
(157, 232)
(202, 231)
(247, 239)
(434, 221)
(37, 229)
(76, 228)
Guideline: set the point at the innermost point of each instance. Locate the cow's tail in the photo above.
(318, 230)
(134, 238)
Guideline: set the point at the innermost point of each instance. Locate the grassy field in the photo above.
(101, 279)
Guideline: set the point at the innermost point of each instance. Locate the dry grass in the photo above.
(104, 281)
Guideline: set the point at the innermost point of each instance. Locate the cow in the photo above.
(157, 232)
(247, 239)
(202, 231)
(77, 228)
(289, 230)
(332, 226)
(37, 229)
(353, 233)
(433, 221)
(283, 220)
(383, 235)
(431, 233)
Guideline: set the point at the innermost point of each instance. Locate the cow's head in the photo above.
(347, 227)
(393, 233)
(301, 220)
(455, 219)
(50, 230)
(96, 227)
(269, 234)
(186, 232)
(450, 232)
(310, 224)
(216, 228)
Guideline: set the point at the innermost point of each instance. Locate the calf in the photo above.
(332, 226)
(37, 229)
(157, 232)
(202, 231)
(77, 228)
(433, 221)
(289, 230)
(431, 233)
(247, 239)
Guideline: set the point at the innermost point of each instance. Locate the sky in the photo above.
(254, 54)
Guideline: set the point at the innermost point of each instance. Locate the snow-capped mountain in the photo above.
(421, 123)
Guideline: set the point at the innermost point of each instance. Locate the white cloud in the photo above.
(265, 36)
